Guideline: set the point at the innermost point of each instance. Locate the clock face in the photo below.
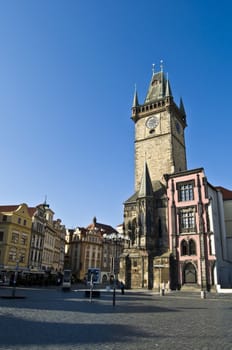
(152, 122)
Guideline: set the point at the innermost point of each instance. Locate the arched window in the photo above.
(192, 247)
(184, 248)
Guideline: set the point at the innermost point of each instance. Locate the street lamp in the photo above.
(114, 239)
(15, 279)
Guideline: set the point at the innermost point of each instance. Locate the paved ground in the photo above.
(51, 319)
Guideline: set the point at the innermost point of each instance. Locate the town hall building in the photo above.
(175, 218)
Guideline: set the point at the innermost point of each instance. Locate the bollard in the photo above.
(114, 296)
(203, 294)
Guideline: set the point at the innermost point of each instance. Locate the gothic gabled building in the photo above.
(159, 150)
(159, 226)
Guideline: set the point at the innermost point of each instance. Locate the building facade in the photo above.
(173, 237)
(191, 230)
(37, 237)
(95, 246)
(159, 149)
(31, 242)
(15, 238)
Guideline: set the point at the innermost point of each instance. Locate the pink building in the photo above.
(191, 240)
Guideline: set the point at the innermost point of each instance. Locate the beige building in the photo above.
(47, 240)
(96, 246)
(59, 252)
(54, 243)
(37, 237)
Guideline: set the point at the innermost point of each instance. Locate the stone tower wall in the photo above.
(163, 149)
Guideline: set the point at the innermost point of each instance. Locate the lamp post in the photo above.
(15, 279)
(114, 239)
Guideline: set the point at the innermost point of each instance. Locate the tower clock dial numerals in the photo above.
(152, 122)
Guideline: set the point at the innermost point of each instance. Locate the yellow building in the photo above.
(15, 237)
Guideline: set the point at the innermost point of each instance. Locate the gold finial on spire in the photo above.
(161, 65)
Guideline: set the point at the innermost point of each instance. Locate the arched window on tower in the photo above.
(184, 248)
(133, 231)
(192, 247)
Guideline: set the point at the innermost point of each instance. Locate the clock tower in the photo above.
(159, 131)
(159, 150)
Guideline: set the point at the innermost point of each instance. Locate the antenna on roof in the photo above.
(153, 68)
(162, 81)
(161, 65)
(45, 199)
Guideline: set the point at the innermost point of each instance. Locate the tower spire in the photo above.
(135, 99)
(182, 110)
(146, 185)
(182, 107)
(168, 91)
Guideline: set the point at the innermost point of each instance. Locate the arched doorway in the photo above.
(189, 273)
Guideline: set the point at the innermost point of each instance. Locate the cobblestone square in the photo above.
(52, 319)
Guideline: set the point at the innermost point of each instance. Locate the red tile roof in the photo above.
(226, 194)
(8, 208)
(31, 211)
(11, 208)
(102, 227)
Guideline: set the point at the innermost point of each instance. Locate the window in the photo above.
(1, 236)
(24, 239)
(4, 218)
(184, 248)
(186, 192)
(187, 220)
(12, 254)
(192, 247)
(188, 248)
(22, 257)
(15, 237)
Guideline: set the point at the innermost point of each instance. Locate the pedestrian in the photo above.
(162, 289)
(122, 287)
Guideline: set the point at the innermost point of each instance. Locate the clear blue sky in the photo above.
(67, 76)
